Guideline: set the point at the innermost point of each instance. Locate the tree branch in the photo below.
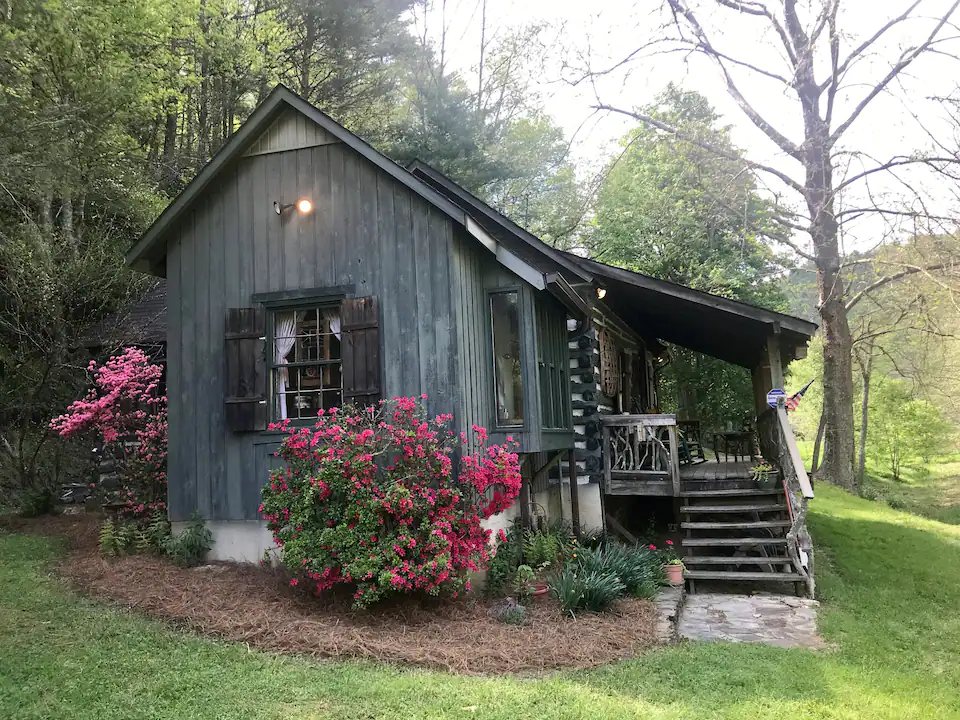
(887, 279)
(729, 155)
(857, 51)
(905, 60)
(704, 45)
(895, 162)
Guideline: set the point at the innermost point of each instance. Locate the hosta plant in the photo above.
(369, 499)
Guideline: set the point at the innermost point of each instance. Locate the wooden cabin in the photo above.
(305, 270)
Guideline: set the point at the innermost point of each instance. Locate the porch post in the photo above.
(574, 492)
(767, 375)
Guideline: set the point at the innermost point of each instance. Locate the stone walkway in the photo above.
(780, 620)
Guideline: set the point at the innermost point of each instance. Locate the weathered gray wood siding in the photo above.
(476, 273)
(366, 230)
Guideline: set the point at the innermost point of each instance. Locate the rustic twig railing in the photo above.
(641, 449)
(798, 490)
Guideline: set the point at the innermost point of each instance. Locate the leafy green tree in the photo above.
(904, 428)
(671, 210)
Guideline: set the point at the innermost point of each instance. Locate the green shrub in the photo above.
(510, 613)
(506, 559)
(600, 589)
(576, 588)
(639, 569)
(190, 546)
(108, 539)
(37, 501)
(158, 530)
(566, 587)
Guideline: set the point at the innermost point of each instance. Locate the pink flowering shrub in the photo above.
(125, 404)
(369, 499)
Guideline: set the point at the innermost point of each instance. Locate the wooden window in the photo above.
(305, 360)
(507, 360)
(553, 363)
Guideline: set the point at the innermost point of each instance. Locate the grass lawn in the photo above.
(890, 583)
(929, 489)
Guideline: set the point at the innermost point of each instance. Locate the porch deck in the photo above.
(716, 470)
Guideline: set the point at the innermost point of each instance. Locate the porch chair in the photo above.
(690, 451)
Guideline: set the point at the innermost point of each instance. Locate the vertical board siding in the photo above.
(290, 131)
(366, 230)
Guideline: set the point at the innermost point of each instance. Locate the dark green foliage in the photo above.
(190, 546)
(108, 539)
(158, 530)
(639, 569)
(670, 209)
(578, 588)
(507, 558)
(36, 501)
(510, 612)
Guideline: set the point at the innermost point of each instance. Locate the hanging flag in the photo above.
(794, 400)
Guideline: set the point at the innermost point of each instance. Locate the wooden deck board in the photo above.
(712, 470)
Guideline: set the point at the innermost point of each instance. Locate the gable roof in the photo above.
(727, 329)
(152, 244)
(521, 242)
(144, 323)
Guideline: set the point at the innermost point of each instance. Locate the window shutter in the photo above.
(246, 385)
(360, 348)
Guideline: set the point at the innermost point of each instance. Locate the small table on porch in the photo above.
(740, 441)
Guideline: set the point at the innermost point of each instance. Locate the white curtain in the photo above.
(333, 318)
(284, 337)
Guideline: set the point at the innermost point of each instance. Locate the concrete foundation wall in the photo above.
(242, 541)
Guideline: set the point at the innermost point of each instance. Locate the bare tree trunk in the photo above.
(816, 444)
(66, 219)
(168, 173)
(46, 211)
(306, 53)
(865, 373)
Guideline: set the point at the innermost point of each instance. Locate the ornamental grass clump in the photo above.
(369, 500)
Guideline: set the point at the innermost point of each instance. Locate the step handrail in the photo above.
(798, 491)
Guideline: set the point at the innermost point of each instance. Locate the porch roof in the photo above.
(727, 329)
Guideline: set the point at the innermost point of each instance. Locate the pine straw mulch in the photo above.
(246, 604)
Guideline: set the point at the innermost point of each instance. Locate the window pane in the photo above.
(306, 370)
(505, 312)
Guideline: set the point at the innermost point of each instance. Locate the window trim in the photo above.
(312, 302)
(521, 308)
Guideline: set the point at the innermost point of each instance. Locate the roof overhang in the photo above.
(727, 329)
(522, 243)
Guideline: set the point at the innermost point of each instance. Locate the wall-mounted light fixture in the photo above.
(303, 205)
(601, 292)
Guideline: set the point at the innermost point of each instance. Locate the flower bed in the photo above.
(257, 607)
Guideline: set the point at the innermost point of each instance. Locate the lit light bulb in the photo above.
(601, 293)
(304, 206)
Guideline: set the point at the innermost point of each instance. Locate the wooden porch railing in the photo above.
(798, 490)
(641, 448)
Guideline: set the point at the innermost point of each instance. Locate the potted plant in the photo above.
(672, 563)
(765, 475)
(524, 585)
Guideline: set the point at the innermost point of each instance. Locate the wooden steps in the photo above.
(758, 519)
(742, 576)
(733, 542)
(728, 492)
(736, 525)
(736, 560)
(754, 507)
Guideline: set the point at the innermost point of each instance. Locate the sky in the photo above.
(599, 33)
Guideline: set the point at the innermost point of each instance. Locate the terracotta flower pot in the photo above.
(538, 589)
(674, 574)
